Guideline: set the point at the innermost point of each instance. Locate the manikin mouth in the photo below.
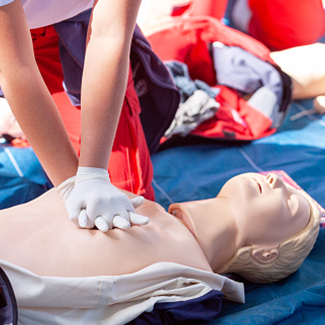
(259, 185)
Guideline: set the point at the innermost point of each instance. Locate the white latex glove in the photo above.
(91, 200)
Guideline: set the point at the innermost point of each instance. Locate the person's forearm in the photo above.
(39, 118)
(105, 77)
(305, 65)
(29, 98)
(103, 90)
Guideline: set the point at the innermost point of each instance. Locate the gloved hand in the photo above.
(91, 200)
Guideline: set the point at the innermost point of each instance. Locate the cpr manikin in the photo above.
(195, 238)
(258, 227)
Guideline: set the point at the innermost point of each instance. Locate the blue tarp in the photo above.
(198, 171)
(21, 176)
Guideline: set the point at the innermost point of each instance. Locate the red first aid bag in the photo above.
(189, 40)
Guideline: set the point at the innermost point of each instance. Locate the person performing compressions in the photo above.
(257, 226)
(89, 196)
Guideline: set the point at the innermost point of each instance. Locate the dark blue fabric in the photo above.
(195, 311)
(198, 171)
(72, 46)
(157, 93)
(8, 303)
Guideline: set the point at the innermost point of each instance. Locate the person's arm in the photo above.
(90, 198)
(105, 76)
(306, 68)
(29, 98)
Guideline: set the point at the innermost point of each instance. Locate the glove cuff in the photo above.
(66, 187)
(91, 170)
(85, 173)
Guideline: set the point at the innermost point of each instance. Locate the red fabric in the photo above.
(188, 40)
(213, 8)
(130, 166)
(281, 24)
(235, 119)
(179, 10)
(45, 42)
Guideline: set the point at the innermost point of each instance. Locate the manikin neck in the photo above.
(213, 225)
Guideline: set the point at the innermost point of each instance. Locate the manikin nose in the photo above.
(274, 180)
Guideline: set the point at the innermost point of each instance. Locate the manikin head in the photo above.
(272, 225)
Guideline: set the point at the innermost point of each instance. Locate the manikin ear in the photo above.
(265, 255)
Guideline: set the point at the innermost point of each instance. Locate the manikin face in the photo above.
(267, 210)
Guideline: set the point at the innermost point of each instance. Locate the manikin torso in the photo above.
(50, 245)
(250, 210)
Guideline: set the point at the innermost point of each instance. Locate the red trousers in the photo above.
(129, 166)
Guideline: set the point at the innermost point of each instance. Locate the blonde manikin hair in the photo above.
(292, 252)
